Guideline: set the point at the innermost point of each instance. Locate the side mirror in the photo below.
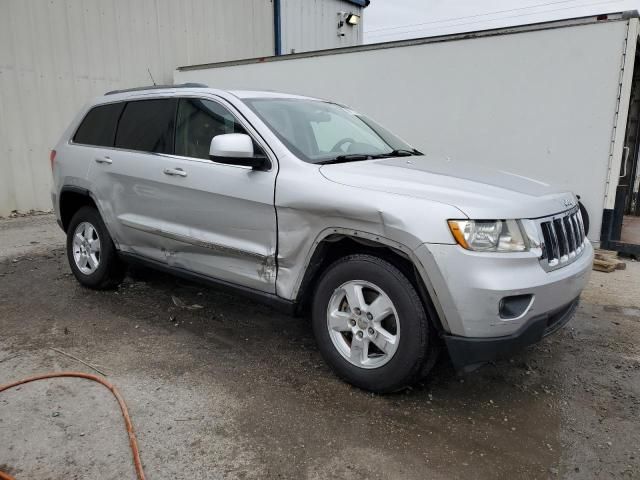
(236, 149)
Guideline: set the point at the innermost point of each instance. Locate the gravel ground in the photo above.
(219, 387)
(29, 235)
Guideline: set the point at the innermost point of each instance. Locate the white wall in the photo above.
(538, 103)
(313, 25)
(57, 54)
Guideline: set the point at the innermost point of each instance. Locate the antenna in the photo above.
(151, 76)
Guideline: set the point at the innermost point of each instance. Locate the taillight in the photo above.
(52, 158)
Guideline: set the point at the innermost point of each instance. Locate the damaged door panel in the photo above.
(225, 226)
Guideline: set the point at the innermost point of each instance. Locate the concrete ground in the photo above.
(631, 230)
(29, 235)
(219, 387)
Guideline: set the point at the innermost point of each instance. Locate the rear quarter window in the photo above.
(147, 126)
(99, 125)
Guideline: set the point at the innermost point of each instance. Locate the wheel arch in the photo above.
(72, 199)
(335, 243)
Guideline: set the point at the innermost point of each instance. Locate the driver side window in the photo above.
(198, 121)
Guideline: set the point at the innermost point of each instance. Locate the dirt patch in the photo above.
(232, 389)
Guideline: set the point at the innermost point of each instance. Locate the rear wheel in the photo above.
(91, 253)
(371, 326)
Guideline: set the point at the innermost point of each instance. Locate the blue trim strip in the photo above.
(360, 3)
(277, 29)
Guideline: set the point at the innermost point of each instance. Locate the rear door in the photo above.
(128, 180)
(166, 201)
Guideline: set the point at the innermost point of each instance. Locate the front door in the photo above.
(225, 226)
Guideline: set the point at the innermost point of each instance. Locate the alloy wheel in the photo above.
(363, 324)
(86, 248)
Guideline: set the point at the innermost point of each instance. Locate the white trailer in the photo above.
(556, 101)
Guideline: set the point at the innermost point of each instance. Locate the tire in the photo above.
(405, 345)
(95, 265)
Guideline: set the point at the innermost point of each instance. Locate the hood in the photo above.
(481, 193)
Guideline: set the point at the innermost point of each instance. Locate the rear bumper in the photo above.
(469, 351)
(56, 209)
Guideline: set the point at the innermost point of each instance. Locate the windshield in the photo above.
(321, 132)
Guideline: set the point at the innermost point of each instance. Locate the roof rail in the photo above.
(157, 87)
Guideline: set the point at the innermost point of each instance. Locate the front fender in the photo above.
(310, 208)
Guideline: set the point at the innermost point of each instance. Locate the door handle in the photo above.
(175, 172)
(106, 160)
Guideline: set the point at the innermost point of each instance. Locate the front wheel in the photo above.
(92, 255)
(371, 326)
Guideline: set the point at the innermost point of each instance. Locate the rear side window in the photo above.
(99, 125)
(198, 122)
(147, 125)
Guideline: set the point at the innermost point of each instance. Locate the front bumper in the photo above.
(468, 287)
(467, 352)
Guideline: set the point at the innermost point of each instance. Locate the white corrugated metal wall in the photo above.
(537, 103)
(55, 55)
(313, 25)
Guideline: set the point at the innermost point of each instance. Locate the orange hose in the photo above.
(123, 407)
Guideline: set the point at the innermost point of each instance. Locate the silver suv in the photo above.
(314, 208)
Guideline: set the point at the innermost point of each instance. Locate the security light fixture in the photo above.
(353, 19)
(347, 18)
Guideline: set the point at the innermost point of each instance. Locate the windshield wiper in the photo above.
(401, 152)
(353, 157)
(357, 157)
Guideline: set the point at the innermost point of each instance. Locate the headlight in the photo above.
(489, 235)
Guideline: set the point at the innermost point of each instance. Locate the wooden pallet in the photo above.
(607, 261)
